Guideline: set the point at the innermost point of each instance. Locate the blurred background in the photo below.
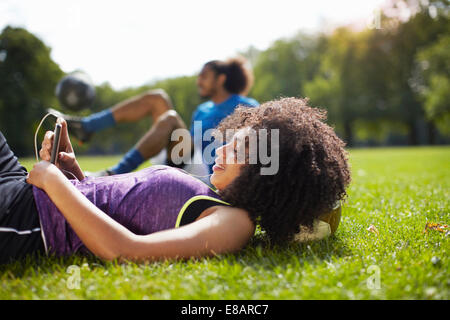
(380, 68)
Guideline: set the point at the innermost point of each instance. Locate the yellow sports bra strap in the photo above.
(211, 201)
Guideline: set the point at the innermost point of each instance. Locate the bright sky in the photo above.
(129, 43)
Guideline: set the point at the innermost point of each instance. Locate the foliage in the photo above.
(382, 85)
(368, 78)
(285, 67)
(28, 77)
(435, 90)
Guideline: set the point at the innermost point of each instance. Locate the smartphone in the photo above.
(55, 148)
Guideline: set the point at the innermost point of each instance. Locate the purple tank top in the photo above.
(146, 201)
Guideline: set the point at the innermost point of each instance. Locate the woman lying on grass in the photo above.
(162, 212)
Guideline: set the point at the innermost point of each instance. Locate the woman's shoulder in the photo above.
(234, 222)
(237, 217)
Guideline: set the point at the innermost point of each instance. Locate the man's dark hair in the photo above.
(239, 77)
(313, 168)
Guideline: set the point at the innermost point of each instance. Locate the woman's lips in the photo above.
(217, 167)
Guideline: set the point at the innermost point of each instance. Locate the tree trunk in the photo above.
(413, 138)
(348, 133)
(432, 136)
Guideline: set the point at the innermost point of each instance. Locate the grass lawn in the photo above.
(397, 190)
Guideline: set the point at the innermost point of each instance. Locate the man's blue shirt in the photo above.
(210, 115)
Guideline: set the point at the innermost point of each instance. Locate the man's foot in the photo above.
(74, 124)
(102, 173)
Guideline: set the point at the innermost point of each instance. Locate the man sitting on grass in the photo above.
(224, 83)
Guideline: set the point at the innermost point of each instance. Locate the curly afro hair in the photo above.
(239, 76)
(313, 168)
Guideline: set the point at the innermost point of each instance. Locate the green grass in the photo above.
(398, 190)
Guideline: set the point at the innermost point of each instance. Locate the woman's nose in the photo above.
(220, 152)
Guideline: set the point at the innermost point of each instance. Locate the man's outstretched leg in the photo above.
(157, 104)
(155, 140)
(153, 103)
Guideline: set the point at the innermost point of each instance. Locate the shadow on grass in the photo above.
(40, 264)
(259, 253)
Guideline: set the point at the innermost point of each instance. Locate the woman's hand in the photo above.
(66, 159)
(42, 173)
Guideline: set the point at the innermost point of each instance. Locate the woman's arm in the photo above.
(101, 234)
(225, 230)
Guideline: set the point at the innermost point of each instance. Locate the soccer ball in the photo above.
(76, 91)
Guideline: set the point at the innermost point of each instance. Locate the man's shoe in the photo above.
(74, 125)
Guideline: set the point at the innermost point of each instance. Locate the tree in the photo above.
(434, 62)
(28, 77)
(337, 86)
(407, 38)
(284, 68)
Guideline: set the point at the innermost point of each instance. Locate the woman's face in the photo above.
(226, 167)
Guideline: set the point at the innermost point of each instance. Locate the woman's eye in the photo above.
(235, 153)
